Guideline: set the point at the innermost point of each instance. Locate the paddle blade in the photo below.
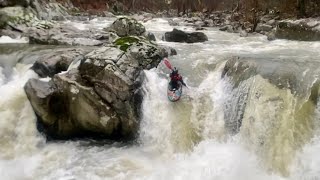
(167, 63)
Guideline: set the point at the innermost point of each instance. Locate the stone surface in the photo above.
(58, 60)
(263, 27)
(64, 35)
(127, 27)
(102, 97)
(302, 30)
(181, 36)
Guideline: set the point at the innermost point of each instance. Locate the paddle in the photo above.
(167, 63)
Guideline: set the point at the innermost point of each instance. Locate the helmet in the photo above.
(175, 70)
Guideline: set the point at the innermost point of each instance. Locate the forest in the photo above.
(297, 8)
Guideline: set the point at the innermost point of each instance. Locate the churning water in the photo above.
(255, 130)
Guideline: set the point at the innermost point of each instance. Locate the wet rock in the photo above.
(127, 27)
(282, 73)
(102, 97)
(271, 36)
(199, 28)
(224, 28)
(51, 10)
(64, 35)
(168, 51)
(58, 60)
(208, 23)
(13, 16)
(173, 22)
(263, 27)
(243, 33)
(68, 109)
(271, 22)
(181, 36)
(150, 36)
(301, 30)
(16, 21)
(229, 28)
(10, 33)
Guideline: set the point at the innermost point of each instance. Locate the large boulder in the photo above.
(16, 21)
(67, 35)
(127, 27)
(67, 108)
(301, 30)
(13, 16)
(51, 10)
(101, 97)
(180, 36)
(58, 60)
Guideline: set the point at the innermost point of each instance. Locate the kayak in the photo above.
(174, 94)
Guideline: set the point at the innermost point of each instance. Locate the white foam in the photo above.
(7, 39)
(307, 162)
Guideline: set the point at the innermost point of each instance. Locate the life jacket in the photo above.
(176, 77)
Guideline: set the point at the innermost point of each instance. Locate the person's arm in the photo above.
(181, 80)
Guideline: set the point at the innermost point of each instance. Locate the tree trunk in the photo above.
(301, 8)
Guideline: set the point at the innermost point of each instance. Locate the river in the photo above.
(198, 137)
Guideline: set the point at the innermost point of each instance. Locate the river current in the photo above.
(188, 139)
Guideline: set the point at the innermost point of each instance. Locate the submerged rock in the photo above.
(180, 36)
(301, 30)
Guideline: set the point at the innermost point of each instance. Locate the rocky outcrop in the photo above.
(58, 60)
(67, 108)
(286, 74)
(180, 36)
(301, 30)
(16, 21)
(101, 97)
(283, 85)
(51, 10)
(64, 35)
(129, 27)
(18, 18)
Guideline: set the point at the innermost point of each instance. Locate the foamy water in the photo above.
(7, 39)
(182, 140)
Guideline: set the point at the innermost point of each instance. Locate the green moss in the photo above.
(125, 42)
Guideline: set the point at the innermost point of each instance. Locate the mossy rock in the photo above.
(125, 42)
(127, 27)
(14, 16)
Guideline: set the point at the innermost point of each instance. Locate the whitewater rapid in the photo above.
(183, 140)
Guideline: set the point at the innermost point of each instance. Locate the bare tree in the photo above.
(301, 8)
